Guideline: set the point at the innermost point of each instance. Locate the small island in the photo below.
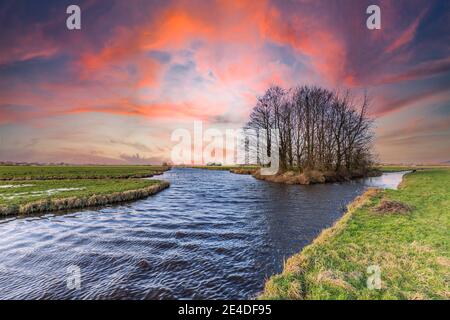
(320, 135)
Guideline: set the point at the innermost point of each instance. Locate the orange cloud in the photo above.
(126, 107)
(224, 23)
(230, 36)
(323, 47)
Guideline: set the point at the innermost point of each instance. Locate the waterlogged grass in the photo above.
(411, 249)
(38, 189)
(77, 172)
(16, 193)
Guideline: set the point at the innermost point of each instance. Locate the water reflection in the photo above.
(389, 180)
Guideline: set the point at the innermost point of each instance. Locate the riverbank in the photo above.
(296, 177)
(243, 169)
(31, 189)
(406, 239)
(31, 197)
(315, 176)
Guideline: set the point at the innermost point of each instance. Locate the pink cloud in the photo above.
(419, 71)
(385, 105)
(406, 36)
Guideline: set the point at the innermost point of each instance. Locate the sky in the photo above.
(114, 91)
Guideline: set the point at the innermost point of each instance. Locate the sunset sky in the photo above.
(114, 91)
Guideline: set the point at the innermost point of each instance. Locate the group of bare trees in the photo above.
(315, 129)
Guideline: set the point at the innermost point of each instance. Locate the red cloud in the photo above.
(163, 110)
(226, 39)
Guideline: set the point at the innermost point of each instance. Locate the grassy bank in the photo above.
(411, 249)
(77, 172)
(36, 196)
(397, 168)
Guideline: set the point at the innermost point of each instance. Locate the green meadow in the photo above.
(38, 189)
(411, 249)
(77, 172)
(396, 168)
(22, 192)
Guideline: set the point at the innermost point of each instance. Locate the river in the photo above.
(211, 235)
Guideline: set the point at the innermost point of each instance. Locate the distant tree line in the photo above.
(316, 129)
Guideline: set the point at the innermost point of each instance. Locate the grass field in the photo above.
(77, 172)
(411, 249)
(38, 196)
(396, 168)
(37, 189)
(21, 192)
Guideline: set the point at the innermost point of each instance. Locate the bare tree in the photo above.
(316, 128)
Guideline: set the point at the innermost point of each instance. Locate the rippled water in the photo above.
(211, 235)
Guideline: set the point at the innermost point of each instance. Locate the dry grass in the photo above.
(243, 170)
(392, 207)
(313, 176)
(288, 177)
